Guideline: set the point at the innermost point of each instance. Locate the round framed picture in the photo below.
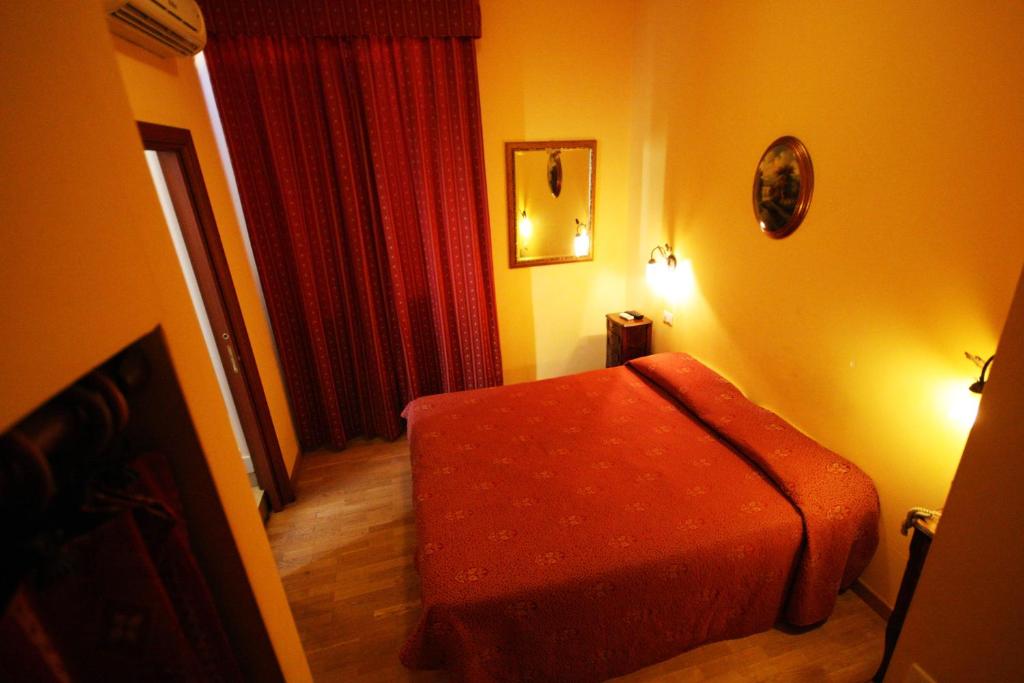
(783, 183)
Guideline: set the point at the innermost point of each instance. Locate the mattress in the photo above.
(583, 527)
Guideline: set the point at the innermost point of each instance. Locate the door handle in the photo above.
(229, 347)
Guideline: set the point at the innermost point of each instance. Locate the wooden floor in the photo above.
(345, 553)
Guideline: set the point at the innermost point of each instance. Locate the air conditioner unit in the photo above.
(169, 28)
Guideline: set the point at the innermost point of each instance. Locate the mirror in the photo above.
(550, 188)
(783, 183)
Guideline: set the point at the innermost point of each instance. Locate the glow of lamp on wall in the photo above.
(962, 406)
(660, 268)
(581, 242)
(681, 285)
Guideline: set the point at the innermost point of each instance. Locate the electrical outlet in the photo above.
(666, 317)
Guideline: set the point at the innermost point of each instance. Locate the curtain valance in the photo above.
(344, 18)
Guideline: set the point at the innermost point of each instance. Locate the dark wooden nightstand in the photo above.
(921, 541)
(627, 339)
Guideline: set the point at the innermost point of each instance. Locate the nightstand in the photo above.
(627, 339)
(921, 541)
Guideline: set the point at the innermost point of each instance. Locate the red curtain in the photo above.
(360, 168)
(344, 18)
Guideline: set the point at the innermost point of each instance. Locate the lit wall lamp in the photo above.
(978, 386)
(581, 243)
(666, 253)
(658, 268)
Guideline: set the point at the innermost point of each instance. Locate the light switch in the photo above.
(667, 316)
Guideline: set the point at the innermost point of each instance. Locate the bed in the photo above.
(583, 527)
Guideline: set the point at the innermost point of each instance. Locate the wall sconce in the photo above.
(581, 243)
(979, 385)
(658, 268)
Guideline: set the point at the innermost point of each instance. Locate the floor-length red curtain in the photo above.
(360, 168)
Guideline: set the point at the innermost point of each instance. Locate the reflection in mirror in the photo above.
(550, 189)
(555, 172)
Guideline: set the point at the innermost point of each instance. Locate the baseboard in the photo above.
(294, 477)
(872, 599)
(264, 507)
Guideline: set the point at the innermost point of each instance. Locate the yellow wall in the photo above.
(854, 327)
(167, 91)
(966, 622)
(558, 71)
(88, 265)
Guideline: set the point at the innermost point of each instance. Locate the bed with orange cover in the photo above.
(583, 527)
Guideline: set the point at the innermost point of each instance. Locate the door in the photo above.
(175, 167)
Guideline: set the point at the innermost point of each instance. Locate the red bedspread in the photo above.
(583, 527)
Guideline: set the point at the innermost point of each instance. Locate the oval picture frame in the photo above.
(783, 184)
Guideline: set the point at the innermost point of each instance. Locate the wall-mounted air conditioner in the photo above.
(169, 28)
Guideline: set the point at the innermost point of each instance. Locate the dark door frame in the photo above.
(257, 425)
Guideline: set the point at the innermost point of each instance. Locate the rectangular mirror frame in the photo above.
(510, 186)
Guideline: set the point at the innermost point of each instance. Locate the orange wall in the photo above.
(854, 327)
(88, 265)
(966, 622)
(167, 91)
(63, 222)
(558, 71)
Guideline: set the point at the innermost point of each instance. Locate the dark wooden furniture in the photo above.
(920, 542)
(627, 339)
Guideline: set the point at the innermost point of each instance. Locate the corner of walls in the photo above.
(854, 327)
(966, 616)
(89, 265)
(534, 87)
(168, 92)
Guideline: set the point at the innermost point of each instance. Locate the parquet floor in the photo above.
(345, 552)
